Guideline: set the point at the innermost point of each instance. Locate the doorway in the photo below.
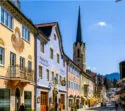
(55, 100)
(17, 99)
(44, 101)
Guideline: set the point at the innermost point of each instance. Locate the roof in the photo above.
(79, 29)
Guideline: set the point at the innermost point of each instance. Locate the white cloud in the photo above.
(101, 24)
(89, 68)
(94, 68)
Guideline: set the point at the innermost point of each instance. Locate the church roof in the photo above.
(79, 29)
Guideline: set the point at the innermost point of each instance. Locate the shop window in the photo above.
(22, 64)
(1, 56)
(28, 100)
(40, 72)
(4, 100)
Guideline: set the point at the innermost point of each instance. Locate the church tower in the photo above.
(79, 55)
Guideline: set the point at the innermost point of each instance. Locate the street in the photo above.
(109, 107)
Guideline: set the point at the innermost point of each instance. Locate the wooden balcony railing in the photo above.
(18, 72)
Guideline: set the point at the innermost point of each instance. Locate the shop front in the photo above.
(12, 97)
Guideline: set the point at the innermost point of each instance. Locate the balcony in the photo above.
(17, 73)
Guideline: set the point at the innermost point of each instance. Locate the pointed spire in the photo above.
(79, 29)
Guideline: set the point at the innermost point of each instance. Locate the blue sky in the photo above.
(103, 28)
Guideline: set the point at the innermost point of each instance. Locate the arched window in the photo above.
(78, 53)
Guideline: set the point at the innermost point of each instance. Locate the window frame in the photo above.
(47, 74)
(6, 18)
(58, 58)
(42, 47)
(22, 64)
(51, 53)
(25, 33)
(3, 56)
(40, 74)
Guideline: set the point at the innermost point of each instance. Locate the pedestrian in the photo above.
(116, 105)
(22, 108)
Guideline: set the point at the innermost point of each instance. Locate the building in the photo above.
(51, 69)
(73, 91)
(121, 84)
(17, 58)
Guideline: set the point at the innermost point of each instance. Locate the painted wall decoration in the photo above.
(17, 41)
(1, 41)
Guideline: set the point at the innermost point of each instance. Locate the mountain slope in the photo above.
(112, 76)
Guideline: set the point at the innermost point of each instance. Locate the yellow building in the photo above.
(87, 90)
(17, 58)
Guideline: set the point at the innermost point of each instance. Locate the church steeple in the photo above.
(79, 29)
(79, 49)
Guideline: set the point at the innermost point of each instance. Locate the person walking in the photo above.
(22, 108)
(116, 106)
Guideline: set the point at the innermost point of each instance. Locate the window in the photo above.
(29, 66)
(51, 53)
(22, 64)
(54, 36)
(57, 58)
(60, 79)
(52, 75)
(47, 71)
(12, 59)
(25, 33)
(6, 18)
(42, 47)
(63, 63)
(4, 100)
(57, 78)
(78, 53)
(1, 56)
(27, 100)
(68, 84)
(40, 72)
(85, 90)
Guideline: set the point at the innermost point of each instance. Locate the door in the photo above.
(44, 101)
(62, 101)
(55, 100)
(17, 99)
(12, 64)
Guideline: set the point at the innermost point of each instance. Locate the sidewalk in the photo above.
(85, 108)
